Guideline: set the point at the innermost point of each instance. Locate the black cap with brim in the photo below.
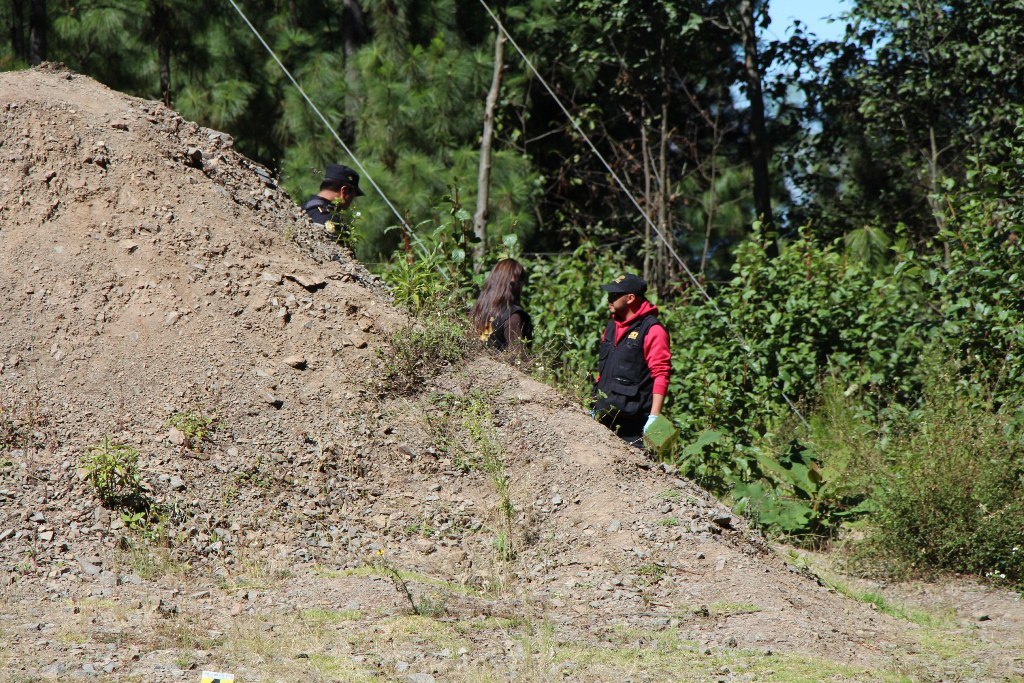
(345, 176)
(627, 283)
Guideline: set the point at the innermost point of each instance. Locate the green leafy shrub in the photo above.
(26, 427)
(808, 487)
(419, 351)
(808, 322)
(803, 314)
(951, 494)
(795, 492)
(113, 470)
(974, 275)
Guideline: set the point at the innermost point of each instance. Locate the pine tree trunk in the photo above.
(161, 24)
(663, 193)
(649, 247)
(165, 71)
(37, 26)
(354, 33)
(709, 210)
(483, 180)
(17, 30)
(758, 140)
(933, 180)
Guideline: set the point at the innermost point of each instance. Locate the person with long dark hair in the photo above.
(497, 316)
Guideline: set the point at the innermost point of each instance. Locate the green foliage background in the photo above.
(884, 301)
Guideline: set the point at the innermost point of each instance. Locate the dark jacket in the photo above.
(319, 210)
(498, 339)
(625, 386)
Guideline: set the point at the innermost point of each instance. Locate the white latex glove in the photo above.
(650, 421)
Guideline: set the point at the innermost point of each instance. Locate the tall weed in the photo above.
(419, 351)
(950, 494)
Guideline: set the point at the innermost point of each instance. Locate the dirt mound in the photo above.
(148, 273)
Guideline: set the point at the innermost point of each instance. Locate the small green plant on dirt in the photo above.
(503, 546)
(478, 424)
(320, 616)
(419, 351)
(732, 608)
(230, 495)
(668, 521)
(28, 563)
(184, 662)
(196, 426)
(113, 471)
(432, 606)
(425, 606)
(26, 428)
(476, 448)
(150, 561)
(650, 574)
(439, 416)
(150, 522)
(12, 431)
(424, 529)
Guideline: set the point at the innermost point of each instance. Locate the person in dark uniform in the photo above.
(635, 361)
(337, 190)
(497, 316)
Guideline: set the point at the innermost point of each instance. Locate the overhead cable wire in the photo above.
(657, 231)
(363, 169)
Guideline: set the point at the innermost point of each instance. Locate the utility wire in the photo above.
(657, 231)
(363, 169)
(405, 226)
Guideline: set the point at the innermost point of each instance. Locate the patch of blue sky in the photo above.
(820, 17)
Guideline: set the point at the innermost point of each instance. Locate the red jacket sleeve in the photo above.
(658, 357)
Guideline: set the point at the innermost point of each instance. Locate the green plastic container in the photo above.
(660, 435)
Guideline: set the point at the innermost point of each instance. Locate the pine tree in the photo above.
(411, 106)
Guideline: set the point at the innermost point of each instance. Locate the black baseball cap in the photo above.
(345, 176)
(626, 283)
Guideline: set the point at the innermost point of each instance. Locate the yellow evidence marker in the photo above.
(215, 677)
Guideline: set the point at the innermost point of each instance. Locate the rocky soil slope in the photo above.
(147, 272)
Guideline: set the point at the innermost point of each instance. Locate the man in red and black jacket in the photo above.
(635, 361)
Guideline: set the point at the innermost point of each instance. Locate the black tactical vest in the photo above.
(626, 385)
(318, 209)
